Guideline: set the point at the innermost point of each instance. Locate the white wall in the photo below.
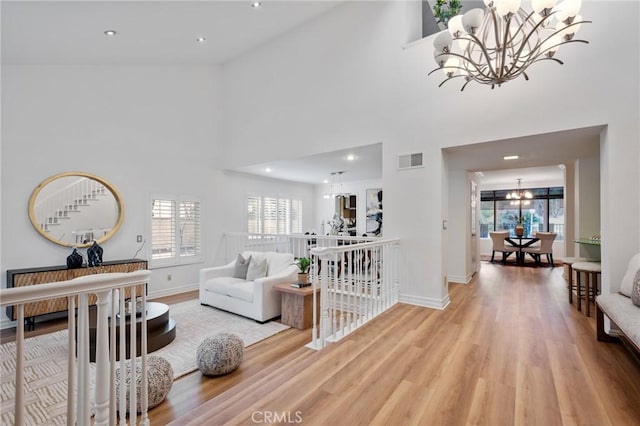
(325, 208)
(345, 80)
(587, 181)
(144, 129)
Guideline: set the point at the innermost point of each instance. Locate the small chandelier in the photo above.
(496, 45)
(518, 197)
(335, 188)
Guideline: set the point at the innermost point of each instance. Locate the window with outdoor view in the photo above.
(543, 212)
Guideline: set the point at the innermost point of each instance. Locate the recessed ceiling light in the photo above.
(325, 181)
(351, 157)
(201, 39)
(110, 32)
(510, 157)
(256, 4)
(268, 170)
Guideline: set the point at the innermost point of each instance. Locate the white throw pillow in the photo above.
(627, 281)
(257, 269)
(277, 262)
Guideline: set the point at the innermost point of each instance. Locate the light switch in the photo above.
(444, 224)
(139, 238)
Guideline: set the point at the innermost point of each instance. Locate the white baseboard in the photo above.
(460, 279)
(426, 302)
(172, 291)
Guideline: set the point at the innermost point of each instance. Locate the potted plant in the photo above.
(303, 263)
(444, 10)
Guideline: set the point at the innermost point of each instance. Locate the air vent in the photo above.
(409, 161)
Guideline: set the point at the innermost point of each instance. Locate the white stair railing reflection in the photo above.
(357, 283)
(78, 376)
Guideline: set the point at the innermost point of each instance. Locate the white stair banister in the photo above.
(100, 285)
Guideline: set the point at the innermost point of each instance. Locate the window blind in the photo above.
(163, 225)
(189, 228)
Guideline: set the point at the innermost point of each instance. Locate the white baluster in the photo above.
(143, 354)
(71, 362)
(84, 414)
(324, 308)
(102, 362)
(133, 401)
(19, 398)
(113, 295)
(122, 406)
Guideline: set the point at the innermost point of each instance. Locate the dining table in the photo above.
(520, 242)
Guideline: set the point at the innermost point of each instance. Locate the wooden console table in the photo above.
(34, 276)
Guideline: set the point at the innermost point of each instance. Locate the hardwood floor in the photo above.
(509, 350)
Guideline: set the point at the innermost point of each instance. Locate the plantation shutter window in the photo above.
(269, 219)
(254, 209)
(176, 234)
(284, 224)
(296, 216)
(273, 215)
(189, 228)
(163, 225)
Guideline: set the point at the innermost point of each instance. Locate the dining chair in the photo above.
(497, 237)
(545, 247)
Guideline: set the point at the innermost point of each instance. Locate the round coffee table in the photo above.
(161, 330)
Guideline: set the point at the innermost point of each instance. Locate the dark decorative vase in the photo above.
(94, 254)
(74, 260)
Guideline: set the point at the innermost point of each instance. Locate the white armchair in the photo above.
(253, 297)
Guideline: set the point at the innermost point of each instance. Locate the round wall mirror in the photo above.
(75, 208)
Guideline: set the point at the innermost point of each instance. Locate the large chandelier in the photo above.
(496, 45)
(518, 197)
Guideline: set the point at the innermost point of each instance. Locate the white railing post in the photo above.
(102, 362)
(143, 354)
(122, 404)
(133, 402)
(19, 398)
(71, 362)
(114, 297)
(83, 360)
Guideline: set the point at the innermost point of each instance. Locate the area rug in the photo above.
(46, 359)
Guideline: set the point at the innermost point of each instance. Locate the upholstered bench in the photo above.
(220, 354)
(623, 308)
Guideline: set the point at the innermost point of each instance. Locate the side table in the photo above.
(297, 305)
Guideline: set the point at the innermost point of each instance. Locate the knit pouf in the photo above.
(159, 380)
(220, 354)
